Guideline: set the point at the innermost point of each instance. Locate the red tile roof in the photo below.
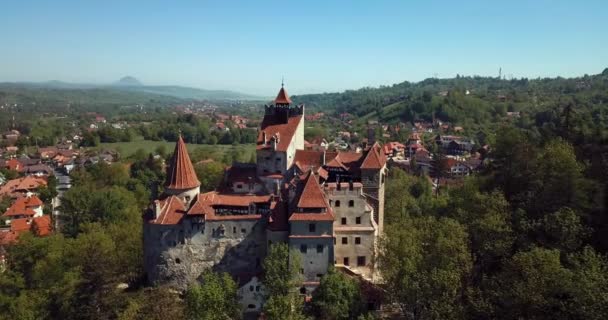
(20, 225)
(180, 174)
(14, 164)
(23, 206)
(8, 237)
(271, 125)
(282, 97)
(171, 211)
(374, 158)
(22, 184)
(325, 216)
(42, 226)
(312, 196)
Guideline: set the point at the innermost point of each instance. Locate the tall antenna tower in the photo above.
(500, 73)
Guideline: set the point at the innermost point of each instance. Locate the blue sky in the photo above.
(316, 45)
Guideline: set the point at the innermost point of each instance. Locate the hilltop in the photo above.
(470, 99)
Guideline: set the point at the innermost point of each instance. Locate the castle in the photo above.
(329, 206)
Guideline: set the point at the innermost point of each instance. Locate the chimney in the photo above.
(156, 209)
(323, 158)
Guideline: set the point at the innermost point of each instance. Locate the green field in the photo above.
(201, 151)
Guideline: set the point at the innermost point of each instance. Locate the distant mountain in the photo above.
(131, 84)
(128, 81)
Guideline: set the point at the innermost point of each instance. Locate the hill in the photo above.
(128, 81)
(461, 99)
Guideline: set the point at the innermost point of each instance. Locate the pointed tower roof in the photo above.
(180, 174)
(374, 159)
(282, 97)
(312, 196)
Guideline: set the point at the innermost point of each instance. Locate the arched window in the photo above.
(337, 203)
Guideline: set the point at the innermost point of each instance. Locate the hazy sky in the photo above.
(316, 45)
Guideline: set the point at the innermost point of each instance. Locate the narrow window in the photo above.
(303, 248)
(251, 288)
(361, 261)
(337, 203)
(357, 240)
(243, 230)
(312, 227)
(346, 261)
(303, 290)
(351, 203)
(358, 220)
(344, 240)
(343, 220)
(233, 229)
(319, 248)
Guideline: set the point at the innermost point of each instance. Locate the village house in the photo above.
(328, 206)
(22, 186)
(29, 207)
(40, 226)
(394, 150)
(455, 145)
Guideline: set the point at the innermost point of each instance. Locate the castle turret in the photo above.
(181, 177)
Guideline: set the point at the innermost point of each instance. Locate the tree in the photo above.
(560, 179)
(533, 285)
(424, 262)
(214, 299)
(210, 174)
(487, 219)
(337, 297)
(281, 280)
(562, 230)
(590, 288)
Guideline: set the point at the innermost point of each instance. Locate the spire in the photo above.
(180, 174)
(282, 97)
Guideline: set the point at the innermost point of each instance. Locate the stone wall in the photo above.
(178, 254)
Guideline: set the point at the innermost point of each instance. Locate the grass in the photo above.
(127, 149)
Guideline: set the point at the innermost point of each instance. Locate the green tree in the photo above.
(214, 299)
(533, 285)
(281, 281)
(337, 297)
(210, 174)
(424, 262)
(562, 230)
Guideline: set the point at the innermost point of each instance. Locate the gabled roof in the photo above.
(180, 174)
(282, 97)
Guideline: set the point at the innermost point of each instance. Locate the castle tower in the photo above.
(181, 177)
(281, 134)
